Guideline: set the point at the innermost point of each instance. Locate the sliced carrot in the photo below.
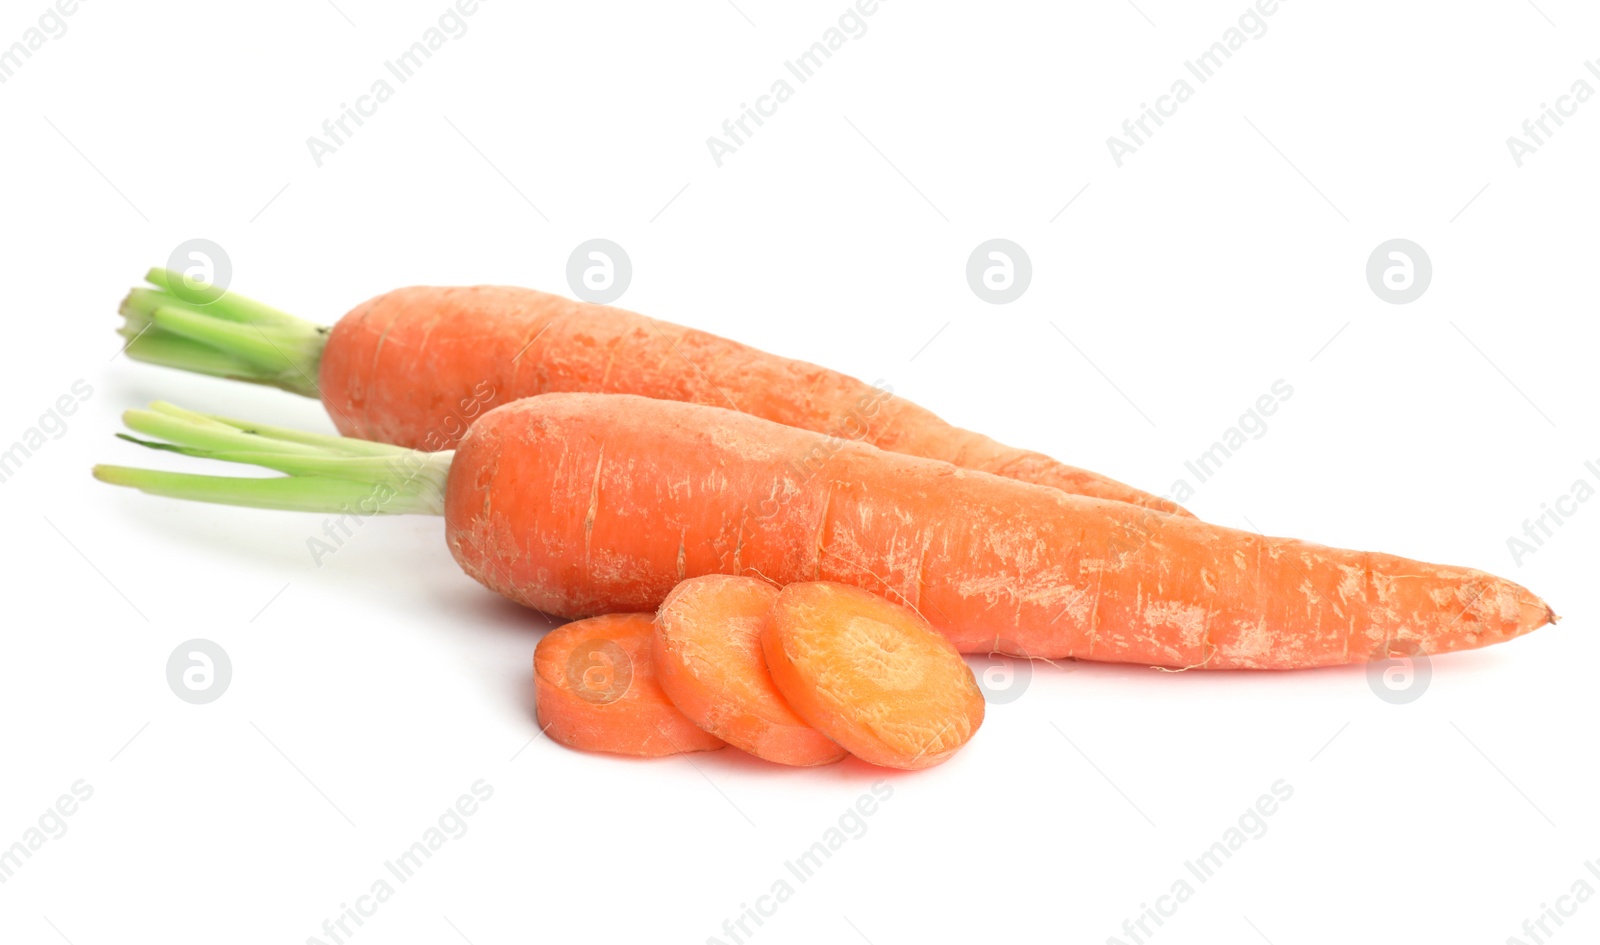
(595, 689)
(707, 656)
(870, 674)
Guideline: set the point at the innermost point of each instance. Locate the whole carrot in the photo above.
(579, 504)
(415, 366)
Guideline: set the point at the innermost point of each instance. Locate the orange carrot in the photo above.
(872, 675)
(588, 503)
(414, 367)
(596, 689)
(707, 655)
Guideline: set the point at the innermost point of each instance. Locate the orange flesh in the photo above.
(415, 366)
(873, 675)
(595, 689)
(578, 504)
(708, 660)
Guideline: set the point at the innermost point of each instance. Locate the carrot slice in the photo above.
(595, 688)
(707, 655)
(870, 674)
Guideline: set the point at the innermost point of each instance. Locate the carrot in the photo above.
(707, 654)
(578, 504)
(595, 688)
(414, 367)
(870, 674)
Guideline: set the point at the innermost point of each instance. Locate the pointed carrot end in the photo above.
(1533, 613)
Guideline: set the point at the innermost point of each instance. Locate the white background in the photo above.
(1225, 254)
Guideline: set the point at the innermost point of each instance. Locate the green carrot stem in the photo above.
(156, 347)
(289, 493)
(344, 444)
(368, 469)
(230, 305)
(230, 336)
(322, 473)
(207, 435)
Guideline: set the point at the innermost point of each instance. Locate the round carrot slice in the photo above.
(595, 688)
(871, 675)
(708, 659)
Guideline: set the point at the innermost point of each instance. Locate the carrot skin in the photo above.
(580, 504)
(416, 366)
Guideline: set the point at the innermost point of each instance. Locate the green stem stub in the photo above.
(231, 336)
(321, 473)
